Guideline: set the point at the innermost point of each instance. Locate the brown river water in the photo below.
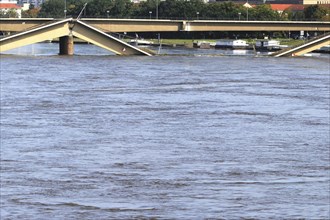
(184, 136)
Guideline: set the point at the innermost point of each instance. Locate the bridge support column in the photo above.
(66, 45)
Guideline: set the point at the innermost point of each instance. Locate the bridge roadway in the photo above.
(153, 25)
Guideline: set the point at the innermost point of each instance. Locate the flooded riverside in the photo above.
(198, 136)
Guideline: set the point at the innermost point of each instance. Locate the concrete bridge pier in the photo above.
(66, 45)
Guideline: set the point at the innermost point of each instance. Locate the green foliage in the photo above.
(264, 13)
(121, 8)
(142, 10)
(8, 14)
(31, 13)
(74, 7)
(175, 9)
(98, 8)
(52, 9)
(316, 12)
(216, 10)
(293, 16)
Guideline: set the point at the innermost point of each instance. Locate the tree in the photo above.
(11, 13)
(316, 12)
(225, 10)
(121, 8)
(55, 8)
(192, 7)
(31, 13)
(52, 8)
(292, 15)
(74, 7)
(142, 9)
(172, 9)
(264, 13)
(99, 8)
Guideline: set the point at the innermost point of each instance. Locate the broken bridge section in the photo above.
(65, 30)
(307, 47)
(104, 40)
(35, 35)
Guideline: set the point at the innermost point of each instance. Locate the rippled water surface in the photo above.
(165, 137)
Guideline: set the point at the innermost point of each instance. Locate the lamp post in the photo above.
(197, 13)
(65, 9)
(247, 14)
(247, 10)
(108, 12)
(157, 9)
(239, 16)
(150, 12)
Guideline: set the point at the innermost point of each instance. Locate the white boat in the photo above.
(268, 45)
(232, 44)
(203, 44)
(140, 42)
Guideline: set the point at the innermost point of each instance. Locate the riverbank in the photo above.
(207, 43)
(190, 42)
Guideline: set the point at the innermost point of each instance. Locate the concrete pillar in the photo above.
(66, 45)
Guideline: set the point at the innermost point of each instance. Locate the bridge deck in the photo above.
(153, 25)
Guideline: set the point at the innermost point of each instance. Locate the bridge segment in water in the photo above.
(306, 47)
(65, 30)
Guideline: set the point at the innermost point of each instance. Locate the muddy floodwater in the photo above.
(193, 136)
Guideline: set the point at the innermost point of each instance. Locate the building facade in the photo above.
(316, 2)
(36, 3)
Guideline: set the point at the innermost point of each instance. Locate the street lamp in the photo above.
(108, 13)
(197, 13)
(239, 15)
(157, 9)
(65, 9)
(247, 14)
(247, 6)
(150, 12)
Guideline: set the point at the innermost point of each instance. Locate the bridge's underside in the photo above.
(152, 25)
(306, 47)
(69, 28)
